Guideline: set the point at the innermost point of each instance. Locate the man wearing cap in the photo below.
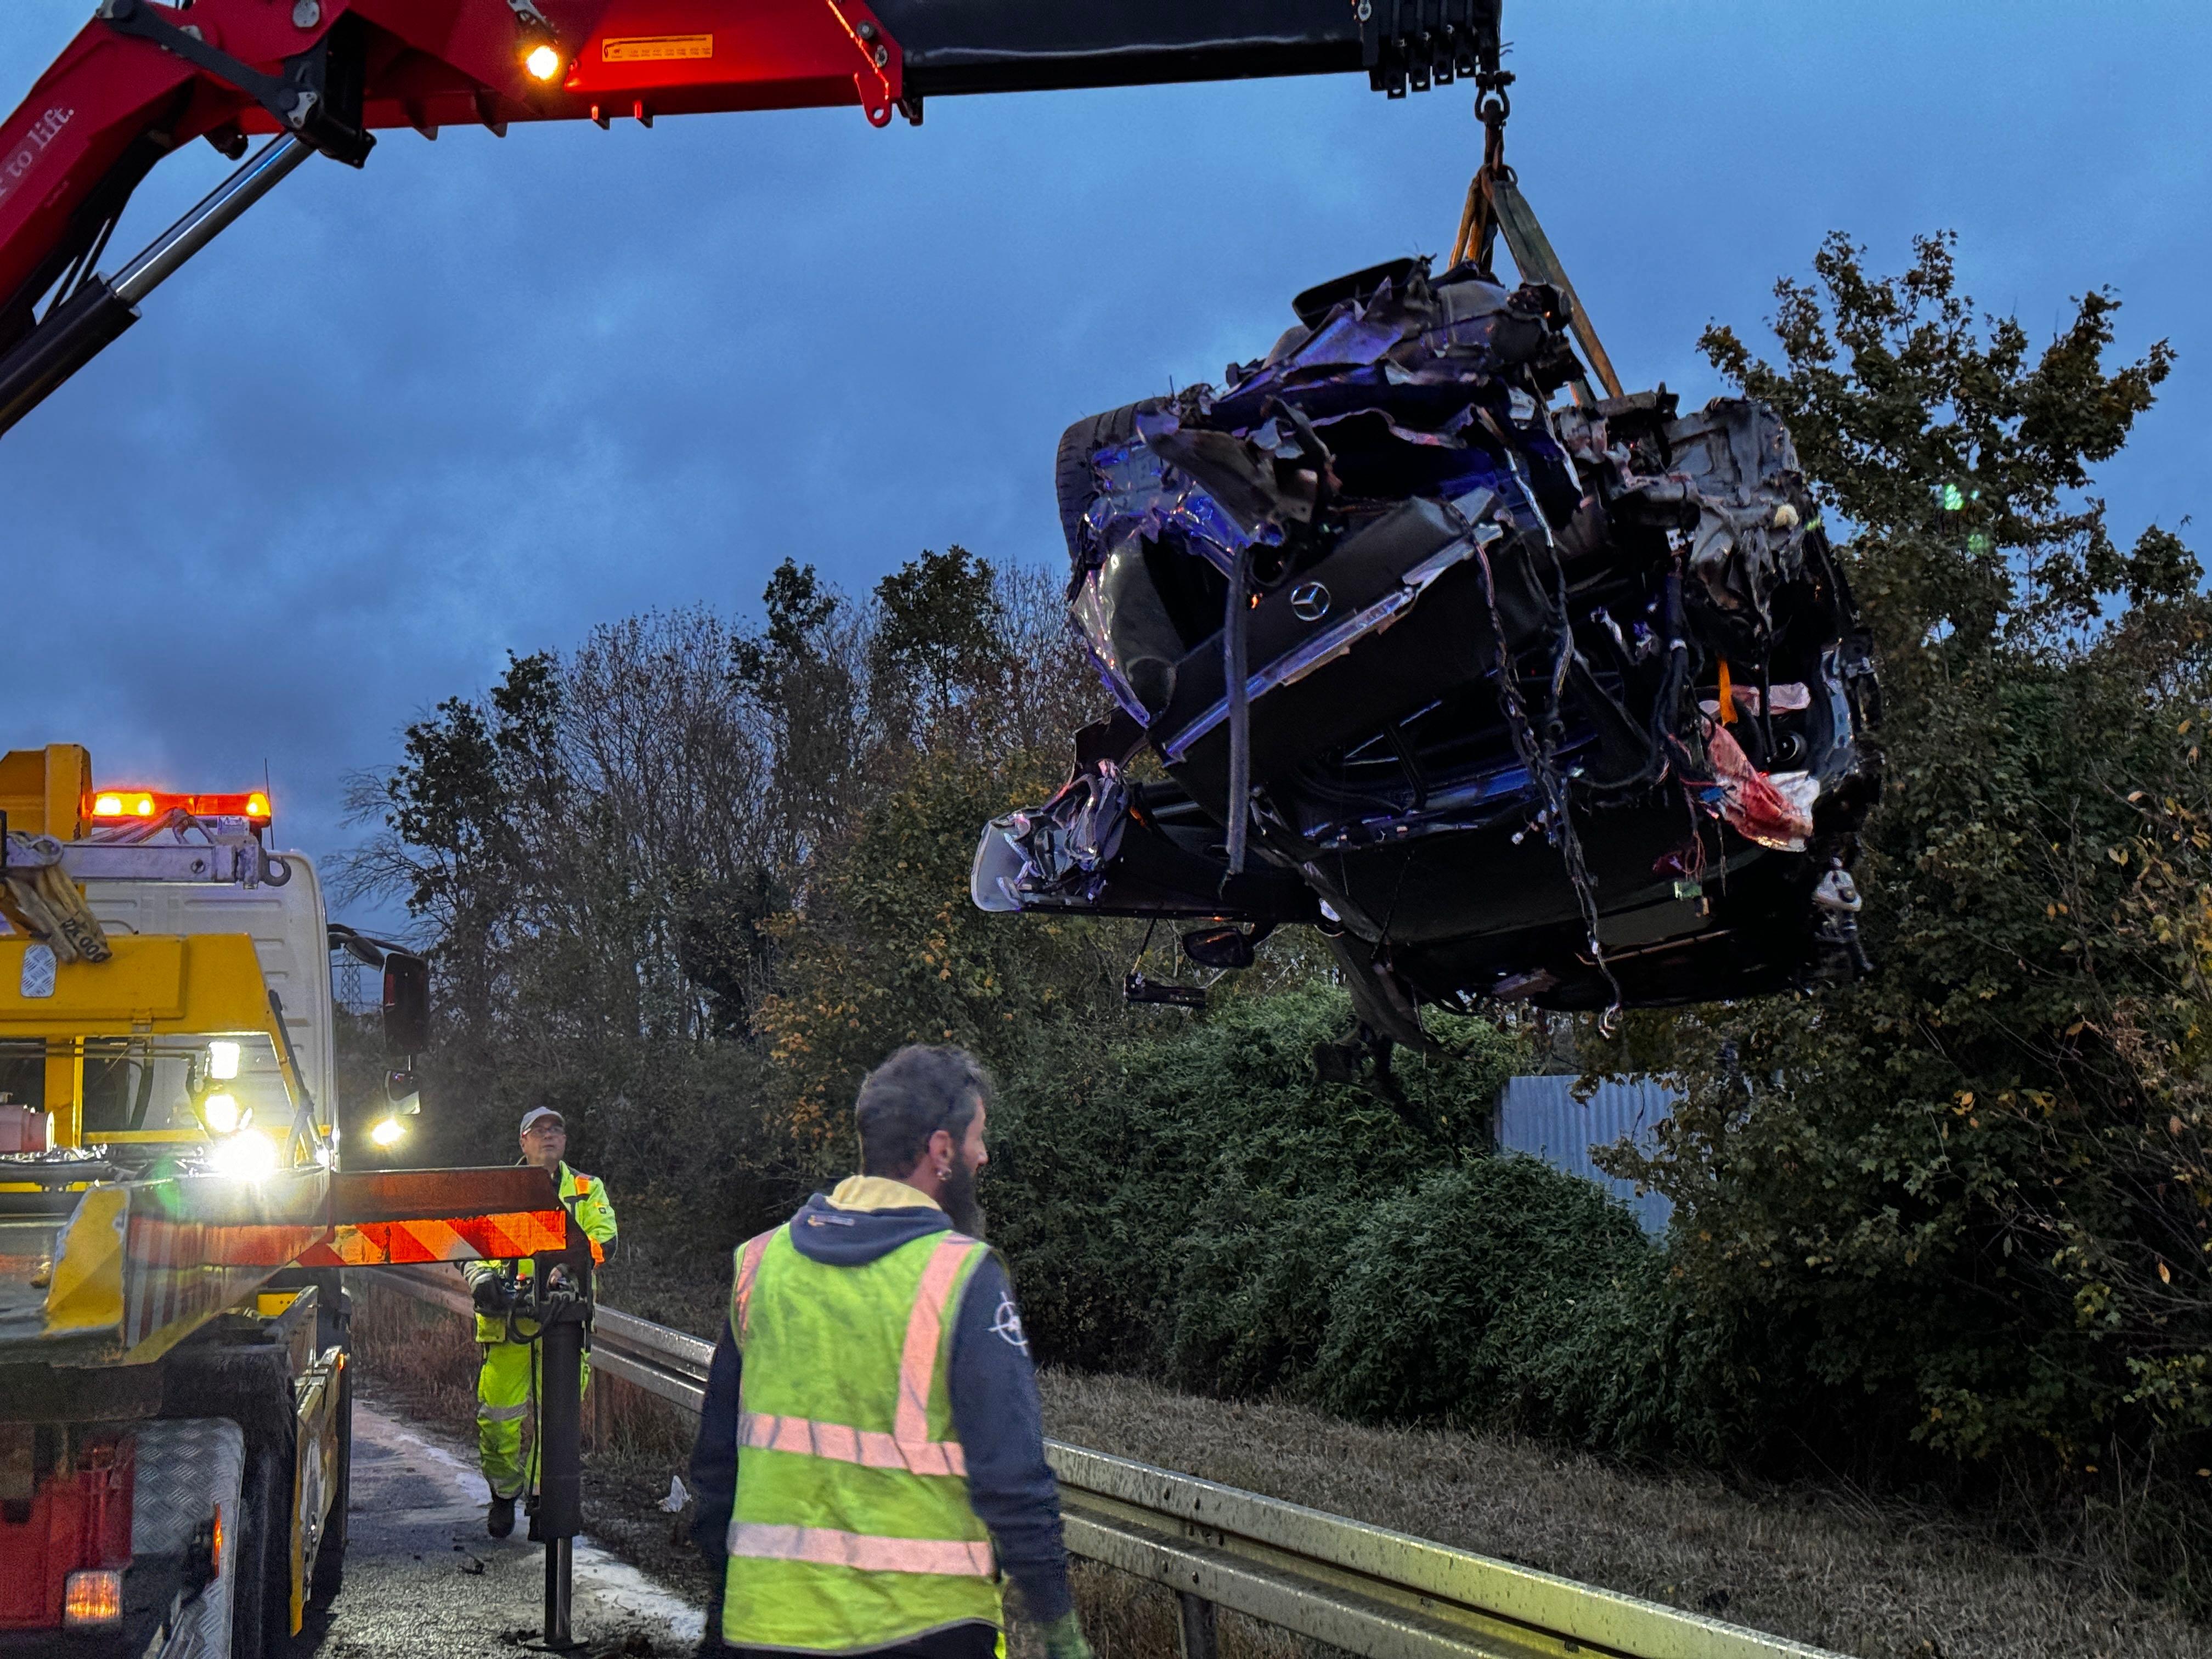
(507, 1381)
(871, 1459)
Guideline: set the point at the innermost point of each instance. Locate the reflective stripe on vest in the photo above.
(869, 1448)
(824, 1546)
(924, 1328)
(748, 1260)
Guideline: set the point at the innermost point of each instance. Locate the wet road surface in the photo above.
(424, 1581)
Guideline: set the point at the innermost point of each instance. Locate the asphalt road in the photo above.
(424, 1581)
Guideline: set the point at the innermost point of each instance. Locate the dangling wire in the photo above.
(1137, 966)
(1536, 756)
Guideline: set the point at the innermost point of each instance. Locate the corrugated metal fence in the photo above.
(1541, 1117)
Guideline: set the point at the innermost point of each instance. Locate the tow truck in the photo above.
(176, 1214)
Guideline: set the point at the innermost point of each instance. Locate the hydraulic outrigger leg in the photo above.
(84, 321)
(560, 1488)
(564, 1323)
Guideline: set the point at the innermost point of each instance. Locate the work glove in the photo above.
(489, 1294)
(1063, 1638)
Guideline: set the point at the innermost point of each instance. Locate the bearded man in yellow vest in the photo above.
(507, 1379)
(871, 1460)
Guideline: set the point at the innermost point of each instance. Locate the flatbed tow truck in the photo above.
(175, 1216)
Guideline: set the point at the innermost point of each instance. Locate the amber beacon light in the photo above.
(121, 805)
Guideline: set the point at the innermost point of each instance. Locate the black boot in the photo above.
(529, 1508)
(499, 1520)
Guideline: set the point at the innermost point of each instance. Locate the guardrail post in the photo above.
(1200, 1640)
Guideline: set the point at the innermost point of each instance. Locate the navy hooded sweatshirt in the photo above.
(992, 1382)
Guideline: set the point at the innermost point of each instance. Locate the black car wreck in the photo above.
(1510, 701)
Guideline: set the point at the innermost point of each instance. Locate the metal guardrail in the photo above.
(1368, 1590)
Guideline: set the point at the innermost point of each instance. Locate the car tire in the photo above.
(1072, 476)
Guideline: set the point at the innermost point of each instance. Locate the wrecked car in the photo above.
(1510, 698)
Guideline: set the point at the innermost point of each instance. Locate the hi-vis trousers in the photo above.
(506, 1393)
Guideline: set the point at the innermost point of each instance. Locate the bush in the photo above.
(1501, 1293)
(1183, 1203)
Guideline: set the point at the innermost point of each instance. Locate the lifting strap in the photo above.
(1495, 204)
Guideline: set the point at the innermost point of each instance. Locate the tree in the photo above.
(448, 839)
(804, 677)
(1917, 1194)
(938, 637)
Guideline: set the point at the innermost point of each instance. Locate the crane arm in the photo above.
(141, 80)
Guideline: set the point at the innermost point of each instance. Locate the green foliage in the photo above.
(1498, 1293)
(1927, 1204)
(688, 881)
(1184, 1201)
(939, 631)
(889, 950)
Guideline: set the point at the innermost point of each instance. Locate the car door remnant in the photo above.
(1567, 705)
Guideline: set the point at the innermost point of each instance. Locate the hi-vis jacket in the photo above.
(870, 1453)
(584, 1197)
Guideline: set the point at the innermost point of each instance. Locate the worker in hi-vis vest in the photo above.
(507, 1379)
(871, 1456)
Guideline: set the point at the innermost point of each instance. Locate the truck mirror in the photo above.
(406, 1004)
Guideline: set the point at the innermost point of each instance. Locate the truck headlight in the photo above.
(244, 1156)
(220, 1113)
(92, 1598)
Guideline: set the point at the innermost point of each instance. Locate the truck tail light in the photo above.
(65, 1496)
(92, 1598)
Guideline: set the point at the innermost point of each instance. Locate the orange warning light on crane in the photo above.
(119, 806)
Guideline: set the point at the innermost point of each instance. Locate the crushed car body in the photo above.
(1566, 705)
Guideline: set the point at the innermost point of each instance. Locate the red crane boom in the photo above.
(141, 80)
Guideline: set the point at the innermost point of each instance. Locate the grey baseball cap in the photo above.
(536, 1112)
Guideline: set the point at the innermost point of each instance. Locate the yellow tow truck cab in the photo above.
(174, 1403)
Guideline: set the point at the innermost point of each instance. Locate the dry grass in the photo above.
(419, 1357)
(1830, 1569)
